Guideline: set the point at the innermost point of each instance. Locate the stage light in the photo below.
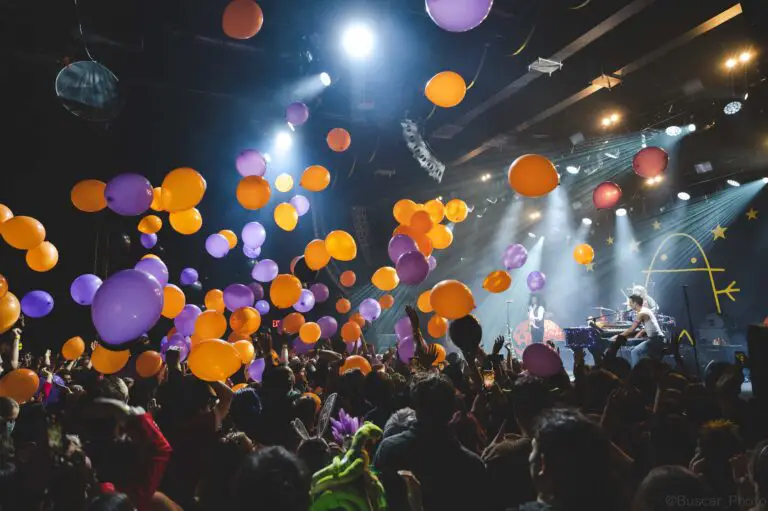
(531, 235)
(325, 79)
(586, 221)
(606, 121)
(358, 41)
(653, 181)
(732, 108)
(684, 196)
(673, 131)
(765, 180)
(283, 141)
(615, 118)
(746, 96)
(535, 215)
(691, 128)
(440, 197)
(745, 57)
(621, 212)
(571, 169)
(730, 63)
(733, 182)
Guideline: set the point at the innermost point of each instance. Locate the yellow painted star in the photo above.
(634, 246)
(752, 214)
(656, 225)
(609, 240)
(590, 266)
(719, 232)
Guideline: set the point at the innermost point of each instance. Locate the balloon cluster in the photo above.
(27, 233)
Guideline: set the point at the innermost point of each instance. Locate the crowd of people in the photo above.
(477, 431)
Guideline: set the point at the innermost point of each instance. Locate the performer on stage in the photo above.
(649, 327)
(536, 309)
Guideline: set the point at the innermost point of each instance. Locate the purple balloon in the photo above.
(154, 267)
(432, 263)
(352, 345)
(536, 281)
(253, 234)
(328, 327)
(403, 328)
(256, 369)
(188, 276)
(251, 163)
(265, 270)
(177, 342)
(237, 296)
(406, 348)
(306, 301)
(320, 291)
(217, 245)
(257, 289)
(127, 305)
(297, 113)
(515, 256)
(148, 240)
(251, 253)
(262, 306)
(458, 15)
(301, 347)
(301, 204)
(399, 245)
(128, 194)
(84, 288)
(185, 321)
(412, 268)
(37, 304)
(370, 309)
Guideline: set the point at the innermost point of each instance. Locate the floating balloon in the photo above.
(88, 195)
(128, 194)
(258, 290)
(217, 246)
(301, 204)
(285, 291)
(356, 362)
(348, 278)
(242, 19)
(10, 310)
(440, 350)
(293, 322)
(43, 257)
(214, 300)
(23, 232)
(341, 245)
(385, 278)
(437, 326)
(532, 175)
(423, 302)
(540, 360)
(253, 192)
(650, 162)
(286, 216)
(37, 304)
(515, 256)
(320, 291)
(328, 327)
(262, 306)
(157, 199)
(150, 224)
(127, 305)
(309, 333)
(606, 195)
(148, 240)
(214, 359)
(183, 189)
(109, 362)
(458, 15)
(412, 268)
(20, 385)
(315, 255)
(251, 163)
(173, 301)
(186, 222)
(154, 267)
(441, 236)
(265, 270)
(423, 243)
(245, 350)
(357, 318)
(352, 346)
(436, 210)
(315, 178)
(406, 349)
(446, 89)
(297, 113)
(583, 254)
(210, 325)
(84, 288)
(403, 210)
(251, 253)
(497, 282)
(234, 336)
(185, 321)
(399, 245)
(536, 281)
(231, 237)
(73, 348)
(256, 369)
(5, 213)
(403, 328)
(189, 276)
(253, 234)
(452, 299)
(387, 301)
(305, 302)
(456, 210)
(237, 296)
(245, 320)
(351, 331)
(148, 364)
(284, 182)
(421, 222)
(370, 309)
(432, 263)
(343, 306)
(339, 140)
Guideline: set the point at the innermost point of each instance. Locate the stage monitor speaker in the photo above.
(757, 344)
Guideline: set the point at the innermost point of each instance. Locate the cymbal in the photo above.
(603, 308)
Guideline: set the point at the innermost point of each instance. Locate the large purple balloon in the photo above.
(265, 270)
(406, 348)
(188, 276)
(328, 327)
(148, 240)
(399, 245)
(154, 267)
(301, 204)
(301, 347)
(262, 306)
(127, 305)
(403, 328)
(251, 252)
(370, 309)
(185, 321)
(458, 15)
(258, 290)
(253, 234)
(217, 245)
(412, 268)
(84, 288)
(256, 369)
(306, 301)
(320, 291)
(536, 281)
(37, 304)
(297, 113)
(251, 163)
(128, 194)
(515, 256)
(237, 296)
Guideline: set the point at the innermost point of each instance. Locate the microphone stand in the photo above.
(690, 329)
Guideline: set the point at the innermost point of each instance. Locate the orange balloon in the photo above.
(456, 210)
(436, 210)
(314, 397)
(245, 350)
(73, 348)
(149, 364)
(237, 336)
(357, 318)
(239, 386)
(421, 222)
(497, 281)
(423, 242)
(452, 299)
(150, 224)
(195, 340)
(309, 333)
(532, 175)
(23, 232)
(88, 195)
(440, 354)
(341, 245)
(286, 216)
(3, 286)
(6, 213)
(293, 322)
(10, 310)
(440, 236)
(231, 237)
(109, 362)
(387, 301)
(437, 326)
(351, 331)
(157, 199)
(446, 89)
(245, 320)
(43, 257)
(183, 189)
(423, 303)
(343, 306)
(253, 192)
(339, 140)
(316, 256)
(210, 325)
(214, 360)
(584, 254)
(214, 300)
(20, 385)
(316, 178)
(356, 362)
(404, 210)
(186, 222)
(173, 301)
(242, 19)
(348, 278)
(150, 256)
(385, 278)
(284, 291)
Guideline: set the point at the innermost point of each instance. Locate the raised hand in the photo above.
(498, 343)
(427, 357)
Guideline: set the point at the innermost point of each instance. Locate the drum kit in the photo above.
(622, 318)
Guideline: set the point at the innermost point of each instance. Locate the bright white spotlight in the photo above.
(283, 141)
(358, 41)
(745, 56)
(621, 212)
(535, 215)
(531, 235)
(586, 221)
(673, 131)
(691, 128)
(730, 63)
(325, 79)
(732, 108)
(571, 169)
(765, 180)
(684, 196)
(733, 182)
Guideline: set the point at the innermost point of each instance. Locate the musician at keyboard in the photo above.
(648, 325)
